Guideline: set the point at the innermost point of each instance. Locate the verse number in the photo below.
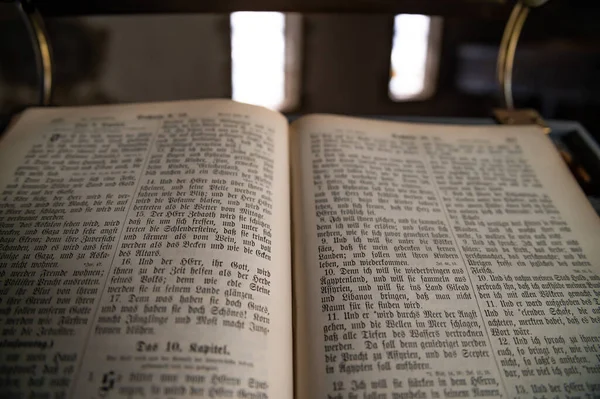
(520, 389)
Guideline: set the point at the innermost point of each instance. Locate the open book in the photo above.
(149, 251)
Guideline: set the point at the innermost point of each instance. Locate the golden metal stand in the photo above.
(508, 47)
(41, 48)
(506, 59)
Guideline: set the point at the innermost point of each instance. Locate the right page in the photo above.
(436, 261)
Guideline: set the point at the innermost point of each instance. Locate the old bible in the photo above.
(211, 249)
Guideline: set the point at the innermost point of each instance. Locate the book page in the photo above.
(145, 252)
(440, 261)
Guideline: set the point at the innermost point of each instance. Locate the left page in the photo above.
(145, 252)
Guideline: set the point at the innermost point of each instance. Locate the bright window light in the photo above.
(414, 57)
(258, 58)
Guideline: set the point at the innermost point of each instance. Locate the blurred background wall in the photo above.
(344, 65)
